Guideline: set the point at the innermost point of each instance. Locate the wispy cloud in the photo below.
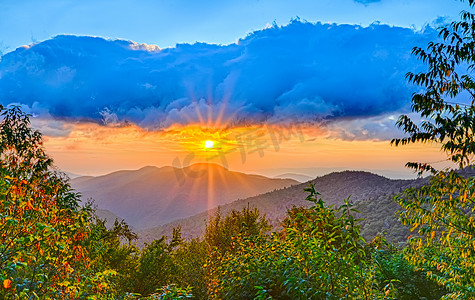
(366, 2)
(304, 70)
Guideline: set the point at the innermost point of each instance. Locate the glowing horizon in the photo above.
(92, 149)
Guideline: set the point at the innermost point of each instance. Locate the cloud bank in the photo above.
(302, 70)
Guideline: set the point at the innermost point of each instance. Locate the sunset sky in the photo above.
(278, 86)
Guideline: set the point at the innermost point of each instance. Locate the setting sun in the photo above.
(209, 144)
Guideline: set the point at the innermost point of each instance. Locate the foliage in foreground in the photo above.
(443, 211)
(319, 255)
(45, 234)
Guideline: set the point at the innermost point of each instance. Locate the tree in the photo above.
(45, 234)
(156, 266)
(220, 232)
(221, 236)
(190, 259)
(445, 121)
(321, 255)
(443, 211)
(112, 249)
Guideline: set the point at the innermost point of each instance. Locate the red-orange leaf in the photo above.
(7, 283)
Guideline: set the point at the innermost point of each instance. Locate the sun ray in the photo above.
(210, 113)
(211, 200)
(222, 110)
(198, 111)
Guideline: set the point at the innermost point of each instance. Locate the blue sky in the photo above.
(167, 22)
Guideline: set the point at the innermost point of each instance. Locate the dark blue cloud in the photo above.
(311, 71)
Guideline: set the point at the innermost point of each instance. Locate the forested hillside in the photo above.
(373, 196)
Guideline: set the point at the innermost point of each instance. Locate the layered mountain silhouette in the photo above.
(153, 196)
(371, 194)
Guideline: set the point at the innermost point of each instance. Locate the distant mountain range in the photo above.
(71, 175)
(372, 194)
(294, 176)
(153, 196)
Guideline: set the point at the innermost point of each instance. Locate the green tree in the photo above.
(394, 271)
(190, 259)
(448, 78)
(320, 255)
(221, 236)
(220, 232)
(156, 266)
(442, 212)
(112, 249)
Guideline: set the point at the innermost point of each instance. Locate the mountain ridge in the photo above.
(152, 196)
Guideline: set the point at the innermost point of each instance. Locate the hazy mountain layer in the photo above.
(153, 196)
